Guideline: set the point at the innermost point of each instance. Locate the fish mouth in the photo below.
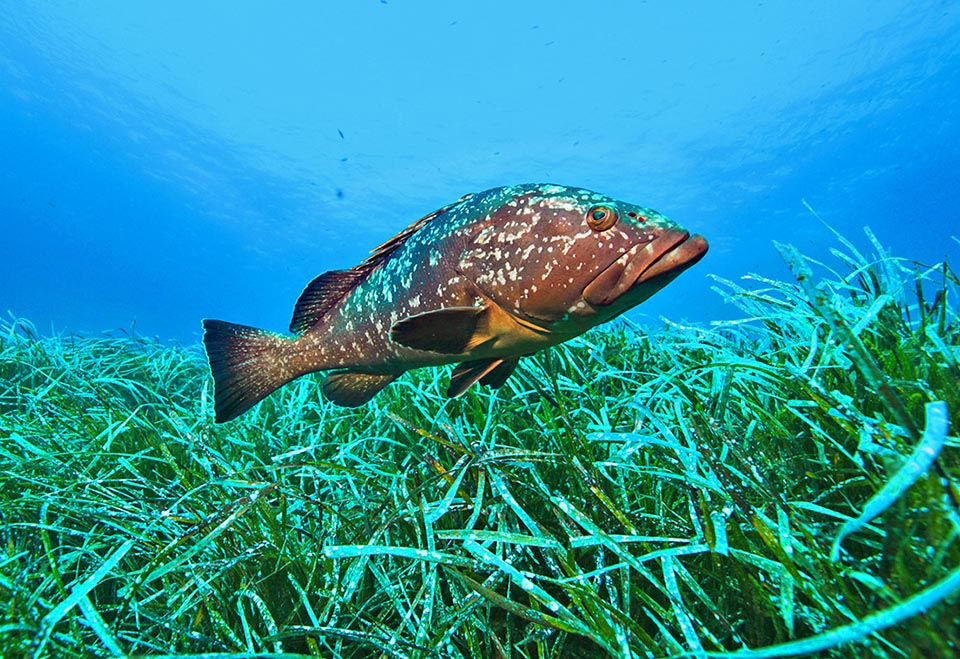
(646, 268)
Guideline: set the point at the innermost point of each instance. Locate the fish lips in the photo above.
(649, 266)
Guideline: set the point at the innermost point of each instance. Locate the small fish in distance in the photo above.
(482, 282)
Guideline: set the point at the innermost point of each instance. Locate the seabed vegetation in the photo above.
(786, 485)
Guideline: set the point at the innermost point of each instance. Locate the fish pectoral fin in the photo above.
(452, 330)
(321, 294)
(465, 374)
(354, 389)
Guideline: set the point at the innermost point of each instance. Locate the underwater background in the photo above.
(166, 162)
(760, 461)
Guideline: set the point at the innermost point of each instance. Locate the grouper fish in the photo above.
(490, 278)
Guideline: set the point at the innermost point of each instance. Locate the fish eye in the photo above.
(601, 218)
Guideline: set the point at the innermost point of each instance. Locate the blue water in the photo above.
(164, 162)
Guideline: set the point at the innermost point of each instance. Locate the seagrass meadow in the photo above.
(784, 485)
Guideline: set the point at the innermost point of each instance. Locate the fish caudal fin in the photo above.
(245, 365)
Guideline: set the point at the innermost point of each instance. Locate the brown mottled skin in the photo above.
(482, 282)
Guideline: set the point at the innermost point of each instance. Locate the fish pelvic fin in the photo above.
(498, 376)
(354, 389)
(246, 366)
(491, 372)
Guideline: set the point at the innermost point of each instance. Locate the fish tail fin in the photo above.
(245, 365)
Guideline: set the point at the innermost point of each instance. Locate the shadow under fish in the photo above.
(482, 282)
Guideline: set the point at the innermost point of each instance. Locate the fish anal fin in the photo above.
(321, 294)
(452, 330)
(465, 374)
(351, 389)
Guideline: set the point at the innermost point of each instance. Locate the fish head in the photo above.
(567, 259)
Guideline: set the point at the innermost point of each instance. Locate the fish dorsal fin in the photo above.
(321, 294)
(492, 372)
(452, 330)
(354, 389)
(325, 291)
(382, 252)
